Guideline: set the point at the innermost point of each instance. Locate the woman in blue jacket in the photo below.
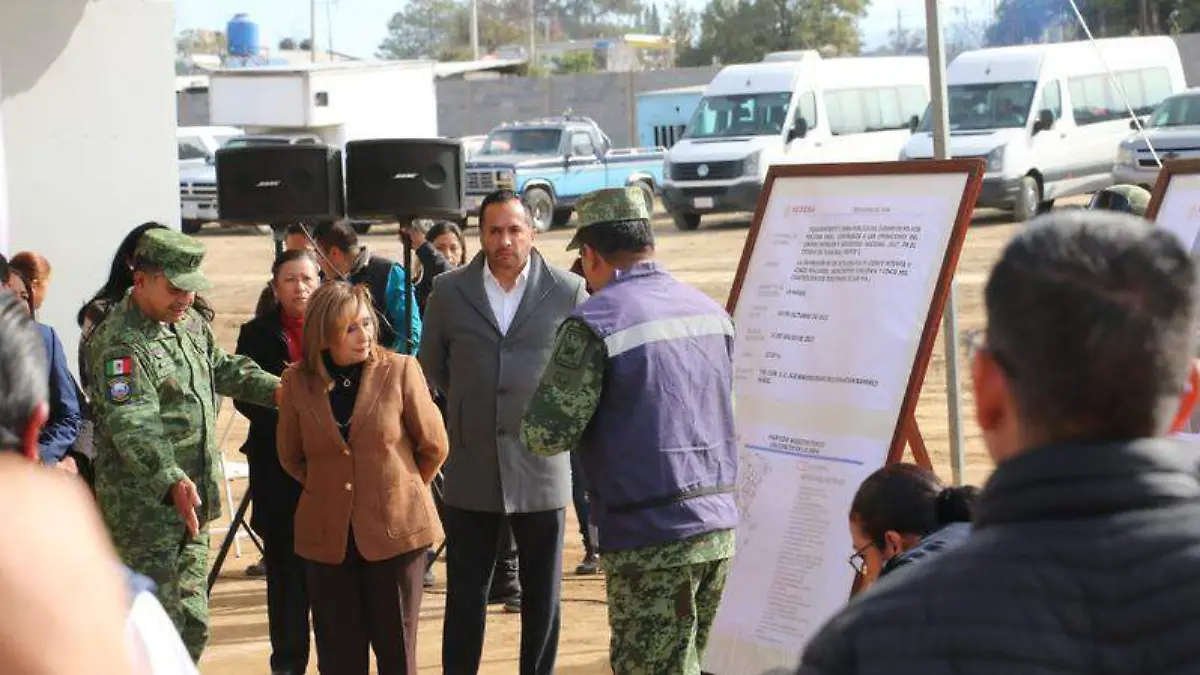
(62, 429)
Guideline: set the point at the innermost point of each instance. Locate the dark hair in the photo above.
(296, 228)
(120, 276)
(1091, 315)
(291, 256)
(339, 234)
(3, 267)
(23, 367)
(14, 272)
(447, 227)
(909, 499)
(620, 238)
(502, 197)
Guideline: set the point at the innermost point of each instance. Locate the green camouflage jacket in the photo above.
(154, 390)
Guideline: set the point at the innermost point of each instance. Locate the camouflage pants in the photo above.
(660, 618)
(179, 566)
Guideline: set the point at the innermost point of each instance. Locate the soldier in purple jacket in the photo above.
(641, 382)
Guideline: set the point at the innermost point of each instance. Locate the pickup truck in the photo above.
(552, 162)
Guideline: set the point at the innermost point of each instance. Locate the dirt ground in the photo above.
(238, 263)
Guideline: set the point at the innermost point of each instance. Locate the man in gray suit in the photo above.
(488, 333)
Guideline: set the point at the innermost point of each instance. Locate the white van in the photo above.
(1047, 117)
(800, 108)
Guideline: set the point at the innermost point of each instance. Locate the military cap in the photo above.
(610, 205)
(178, 255)
(1128, 198)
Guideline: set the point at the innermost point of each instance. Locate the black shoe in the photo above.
(258, 569)
(513, 605)
(590, 565)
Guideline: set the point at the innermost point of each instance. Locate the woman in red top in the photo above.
(274, 339)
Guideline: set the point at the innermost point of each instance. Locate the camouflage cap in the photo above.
(610, 205)
(178, 255)
(1130, 198)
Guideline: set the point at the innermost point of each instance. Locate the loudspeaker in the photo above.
(409, 178)
(280, 183)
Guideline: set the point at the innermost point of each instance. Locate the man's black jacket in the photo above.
(1083, 559)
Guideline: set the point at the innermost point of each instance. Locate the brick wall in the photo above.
(470, 107)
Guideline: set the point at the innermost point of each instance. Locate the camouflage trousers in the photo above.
(661, 618)
(179, 566)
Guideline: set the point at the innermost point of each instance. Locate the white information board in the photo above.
(839, 292)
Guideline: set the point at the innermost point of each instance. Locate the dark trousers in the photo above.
(287, 598)
(505, 582)
(580, 497)
(361, 606)
(275, 495)
(470, 558)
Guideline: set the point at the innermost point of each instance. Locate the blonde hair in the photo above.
(334, 305)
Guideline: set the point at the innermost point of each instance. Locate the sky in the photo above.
(358, 26)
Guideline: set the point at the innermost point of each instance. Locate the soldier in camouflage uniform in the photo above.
(641, 382)
(156, 373)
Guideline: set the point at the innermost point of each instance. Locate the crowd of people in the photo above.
(369, 445)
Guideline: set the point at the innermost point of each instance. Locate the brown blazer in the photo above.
(379, 480)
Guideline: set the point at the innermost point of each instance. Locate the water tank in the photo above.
(243, 36)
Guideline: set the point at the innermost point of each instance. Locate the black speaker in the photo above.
(280, 183)
(414, 178)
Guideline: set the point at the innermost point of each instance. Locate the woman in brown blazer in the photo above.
(359, 430)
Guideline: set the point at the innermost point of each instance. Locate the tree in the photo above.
(423, 29)
(287, 44)
(201, 41)
(743, 31)
(681, 28)
(575, 62)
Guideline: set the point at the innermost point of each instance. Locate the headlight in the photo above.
(750, 164)
(505, 177)
(1125, 156)
(995, 159)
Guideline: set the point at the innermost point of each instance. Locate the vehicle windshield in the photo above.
(740, 115)
(995, 105)
(530, 141)
(1177, 111)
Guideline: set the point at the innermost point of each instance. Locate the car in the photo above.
(1172, 130)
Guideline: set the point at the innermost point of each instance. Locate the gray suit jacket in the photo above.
(489, 379)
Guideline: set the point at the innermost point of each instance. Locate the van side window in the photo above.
(1094, 99)
(1051, 99)
(806, 109)
(856, 111)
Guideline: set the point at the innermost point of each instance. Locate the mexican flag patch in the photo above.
(121, 366)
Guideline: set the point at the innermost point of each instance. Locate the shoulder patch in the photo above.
(120, 366)
(572, 345)
(119, 390)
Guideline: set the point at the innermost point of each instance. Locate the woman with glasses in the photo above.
(902, 514)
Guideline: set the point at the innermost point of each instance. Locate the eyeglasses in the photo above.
(858, 562)
(976, 343)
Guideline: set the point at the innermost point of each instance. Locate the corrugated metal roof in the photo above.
(694, 89)
(450, 68)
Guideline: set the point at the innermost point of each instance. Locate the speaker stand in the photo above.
(405, 223)
(279, 234)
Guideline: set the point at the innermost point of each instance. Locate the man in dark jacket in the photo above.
(1086, 543)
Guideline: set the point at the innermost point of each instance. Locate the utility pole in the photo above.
(532, 33)
(474, 30)
(941, 150)
(312, 30)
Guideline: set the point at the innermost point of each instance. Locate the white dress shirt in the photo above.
(504, 303)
